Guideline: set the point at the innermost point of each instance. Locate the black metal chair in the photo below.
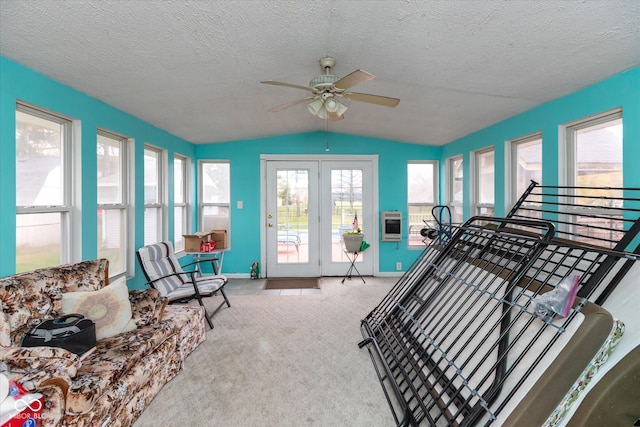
(164, 273)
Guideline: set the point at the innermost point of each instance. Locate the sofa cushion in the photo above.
(147, 306)
(139, 384)
(112, 359)
(27, 298)
(189, 324)
(108, 307)
(5, 331)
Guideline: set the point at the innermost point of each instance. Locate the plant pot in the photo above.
(352, 241)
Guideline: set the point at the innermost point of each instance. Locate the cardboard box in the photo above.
(220, 237)
(192, 241)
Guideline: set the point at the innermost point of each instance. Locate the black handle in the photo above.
(63, 320)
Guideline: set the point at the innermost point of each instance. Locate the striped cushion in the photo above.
(159, 260)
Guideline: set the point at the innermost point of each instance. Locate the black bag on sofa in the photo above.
(72, 332)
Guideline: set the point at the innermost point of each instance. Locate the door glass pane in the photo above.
(346, 206)
(292, 217)
(38, 240)
(111, 241)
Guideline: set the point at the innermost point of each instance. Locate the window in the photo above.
(594, 159)
(43, 189)
(526, 166)
(154, 195)
(215, 195)
(484, 194)
(422, 190)
(180, 201)
(113, 201)
(454, 188)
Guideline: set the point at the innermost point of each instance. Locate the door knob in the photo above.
(270, 225)
(270, 216)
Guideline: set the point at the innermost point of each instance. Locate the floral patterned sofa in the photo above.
(114, 383)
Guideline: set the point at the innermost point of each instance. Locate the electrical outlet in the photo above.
(398, 266)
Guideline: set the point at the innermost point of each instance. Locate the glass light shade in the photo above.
(315, 106)
(332, 105)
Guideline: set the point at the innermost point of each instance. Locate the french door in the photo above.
(308, 204)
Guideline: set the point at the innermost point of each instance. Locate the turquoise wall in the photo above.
(244, 157)
(622, 90)
(18, 83)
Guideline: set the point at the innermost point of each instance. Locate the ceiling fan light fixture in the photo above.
(332, 105)
(325, 80)
(315, 106)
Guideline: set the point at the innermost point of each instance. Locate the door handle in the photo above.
(270, 225)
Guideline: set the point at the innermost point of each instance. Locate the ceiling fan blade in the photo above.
(276, 83)
(358, 76)
(385, 101)
(334, 117)
(289, 104)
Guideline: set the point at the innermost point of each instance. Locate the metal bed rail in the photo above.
(447, 339)
(593, 217)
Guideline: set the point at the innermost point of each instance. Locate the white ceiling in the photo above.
(193, 67)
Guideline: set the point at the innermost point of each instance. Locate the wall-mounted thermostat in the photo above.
(391, 226)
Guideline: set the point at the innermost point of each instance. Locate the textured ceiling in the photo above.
(193, 67)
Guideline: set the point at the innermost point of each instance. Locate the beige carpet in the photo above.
(281, 361)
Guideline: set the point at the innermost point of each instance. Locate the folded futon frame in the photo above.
(457, 340)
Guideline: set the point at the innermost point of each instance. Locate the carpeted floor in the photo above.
(281, 361)
(293, 283)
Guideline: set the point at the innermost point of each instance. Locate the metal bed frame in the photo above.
(447, 338)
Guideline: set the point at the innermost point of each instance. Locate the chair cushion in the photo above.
(158, 260)
(206, 287)
(210, 284)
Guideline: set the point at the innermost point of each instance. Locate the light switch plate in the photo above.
(240, 204)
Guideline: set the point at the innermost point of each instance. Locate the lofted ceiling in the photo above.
(193, 68)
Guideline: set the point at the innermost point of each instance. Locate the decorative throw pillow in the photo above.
(108, 307)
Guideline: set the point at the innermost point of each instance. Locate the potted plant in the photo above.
(353, 240)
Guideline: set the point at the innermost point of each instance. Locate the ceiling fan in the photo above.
(327, 90)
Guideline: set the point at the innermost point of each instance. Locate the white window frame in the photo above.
(512, 183)
(161, 204)
(475, 171)
(435, 201)
(202, 205)
(185, 205)
(567, 137)
(70, 229)
(567, 158)
(454, 205)
(124, 206)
